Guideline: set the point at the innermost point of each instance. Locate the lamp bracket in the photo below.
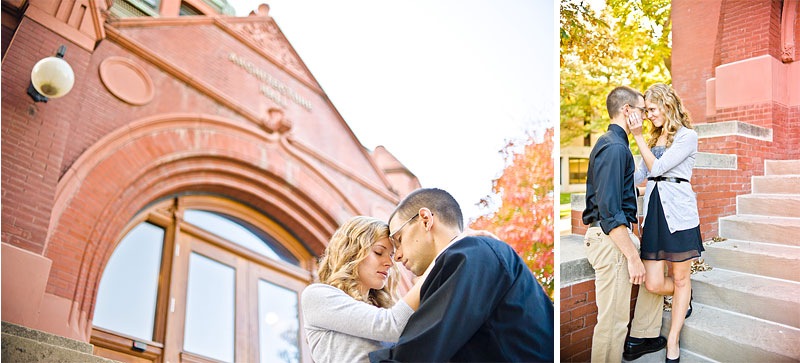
(37, 97)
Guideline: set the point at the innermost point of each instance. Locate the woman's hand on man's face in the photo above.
(635, 122)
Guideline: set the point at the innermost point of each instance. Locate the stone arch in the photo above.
(167, 155)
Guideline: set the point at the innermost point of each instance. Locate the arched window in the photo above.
(239, 232)
(126, 299)
(202, 279)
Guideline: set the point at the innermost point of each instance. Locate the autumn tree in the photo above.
(625, 43)
(524, 218)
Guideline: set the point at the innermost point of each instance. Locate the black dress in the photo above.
(658, 243)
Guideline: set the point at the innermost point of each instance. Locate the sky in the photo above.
(443, 84)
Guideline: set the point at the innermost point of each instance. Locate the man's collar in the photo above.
(455, 240)
(619, 131)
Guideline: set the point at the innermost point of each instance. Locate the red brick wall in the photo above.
(786, 134)
(694, 32)
(34, 136)
(716, 196)
(717, 189)
(749, 29)
(578, 319)
(577, 222)
(789, 133)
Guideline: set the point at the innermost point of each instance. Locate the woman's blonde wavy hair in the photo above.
(671, 106)
(348, 247)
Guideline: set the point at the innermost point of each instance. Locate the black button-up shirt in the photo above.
(610, 190)
(479, 303)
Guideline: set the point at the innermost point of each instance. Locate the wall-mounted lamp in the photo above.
(51, 77)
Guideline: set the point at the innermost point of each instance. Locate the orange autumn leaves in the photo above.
(525, 218)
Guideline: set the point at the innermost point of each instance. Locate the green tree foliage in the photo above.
(625, 43)
(525, 217)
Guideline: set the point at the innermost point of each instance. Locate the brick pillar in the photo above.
(745, 102)
(34, 136)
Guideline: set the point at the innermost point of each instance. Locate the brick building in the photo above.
(182, 189)
(735, 65)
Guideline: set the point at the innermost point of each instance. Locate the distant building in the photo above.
(170, 207)
(575, 162)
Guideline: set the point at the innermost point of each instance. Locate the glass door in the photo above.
(278, 325)
(209, 281)
(234, 309)
(207, 320)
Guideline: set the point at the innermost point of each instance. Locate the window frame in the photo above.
(180, 240)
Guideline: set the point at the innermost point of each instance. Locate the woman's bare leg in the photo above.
(681, 272)
(654, 280)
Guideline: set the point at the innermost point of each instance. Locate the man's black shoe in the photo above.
(637, 347)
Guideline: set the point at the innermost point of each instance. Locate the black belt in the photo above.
(670, 179)
(594, 224)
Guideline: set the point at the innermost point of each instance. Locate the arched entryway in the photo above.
(155, 170)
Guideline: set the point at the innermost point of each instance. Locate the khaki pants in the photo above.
(613, 291)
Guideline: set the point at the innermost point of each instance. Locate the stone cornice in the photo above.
(574, 267)
(733, 128)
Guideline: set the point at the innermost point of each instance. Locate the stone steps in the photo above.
(775, 205)
(21, 344)
(725, 336)
(782, 167)
(757, 296)
(776, 184)
(747, 308)
(686, 357)
(770, 260)
(778, 230)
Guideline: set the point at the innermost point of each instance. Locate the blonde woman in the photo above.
(353, 309)
(671, 228)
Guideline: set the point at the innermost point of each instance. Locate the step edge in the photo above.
(724, 270)
(758, 218)
(746, 317)
(747, 242)
(54, 348)
(783, 350)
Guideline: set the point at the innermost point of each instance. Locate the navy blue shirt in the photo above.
(480, 303)
(610, 189)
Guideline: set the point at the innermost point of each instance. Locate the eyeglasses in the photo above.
(644, 110)
(391, 235)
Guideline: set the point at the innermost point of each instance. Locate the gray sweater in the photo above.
(342, 329)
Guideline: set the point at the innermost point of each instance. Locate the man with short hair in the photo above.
(611, 248)
(479, 301)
